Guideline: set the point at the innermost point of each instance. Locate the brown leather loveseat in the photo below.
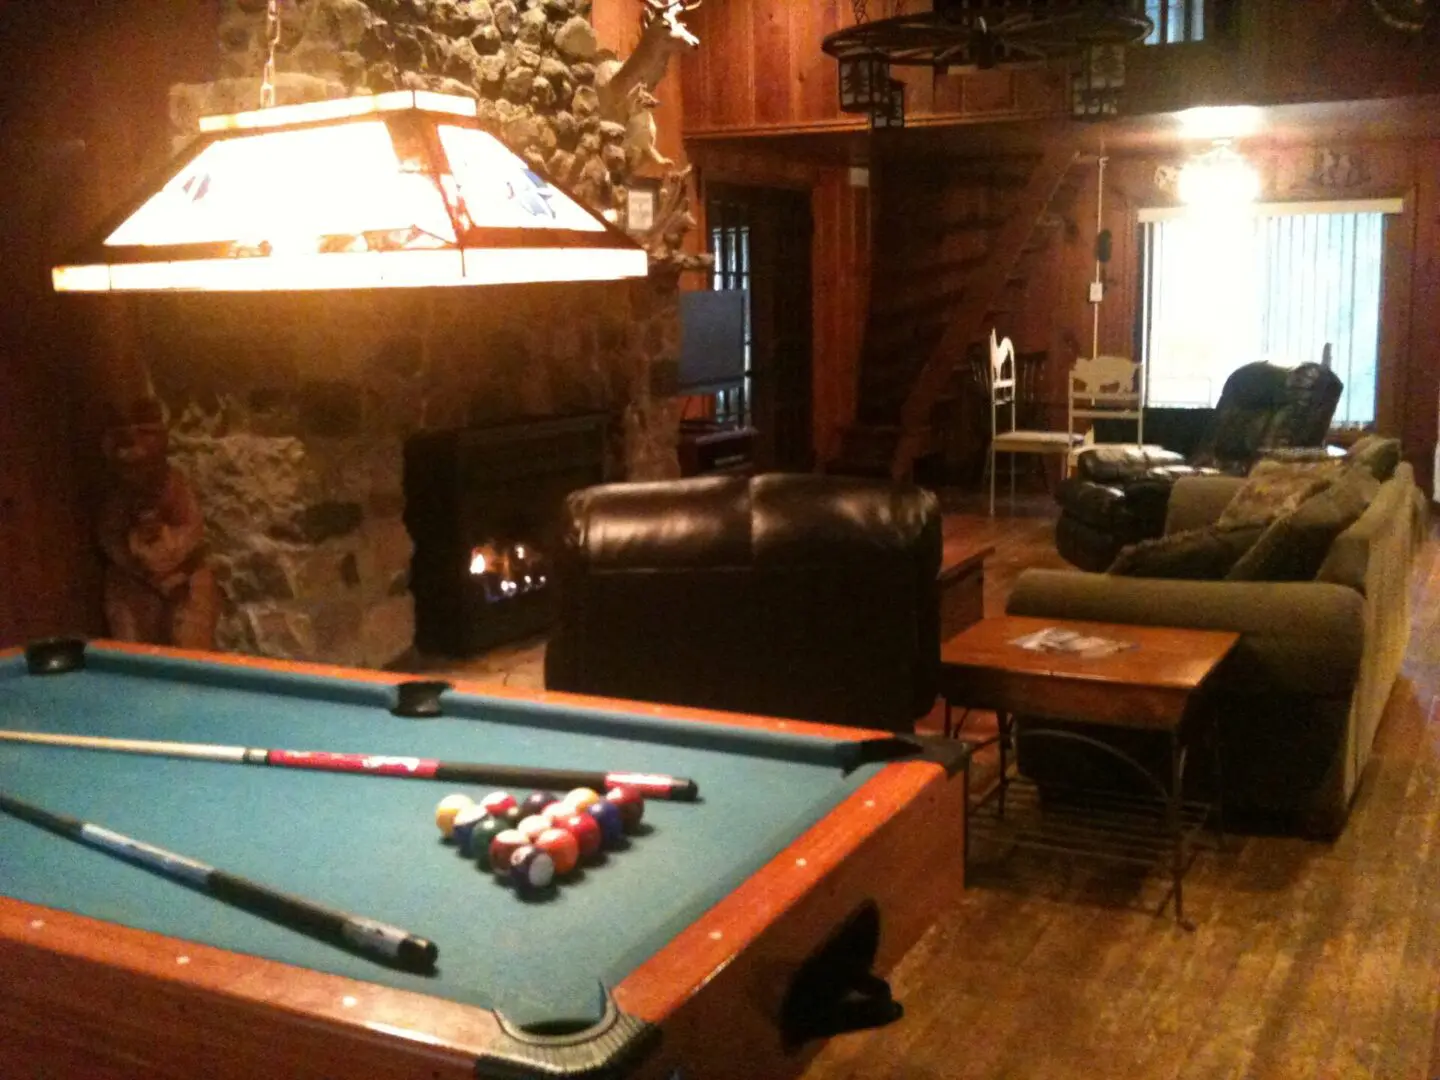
(812, 597)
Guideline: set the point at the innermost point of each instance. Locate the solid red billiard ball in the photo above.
(560, 845)
(630, 803)
(503, 847)
(586, 831)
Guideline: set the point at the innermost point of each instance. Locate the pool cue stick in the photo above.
(376, 939)
(652, 785)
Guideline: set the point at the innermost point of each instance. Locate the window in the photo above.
(1175, 21)
(730, 248)
(1277, 285)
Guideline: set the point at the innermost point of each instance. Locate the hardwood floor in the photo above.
(1309, 960)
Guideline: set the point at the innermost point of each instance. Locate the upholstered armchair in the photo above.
(1119, 494)
(812, 597)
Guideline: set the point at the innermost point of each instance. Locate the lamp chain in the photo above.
(858, 7)
(272, 38)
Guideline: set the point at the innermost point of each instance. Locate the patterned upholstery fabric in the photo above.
(1274, 489)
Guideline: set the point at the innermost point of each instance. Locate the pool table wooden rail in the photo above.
(89, 998)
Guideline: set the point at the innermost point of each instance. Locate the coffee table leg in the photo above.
(1004, 723)
(1177, 829)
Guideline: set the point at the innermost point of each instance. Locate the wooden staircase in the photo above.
(949, 246)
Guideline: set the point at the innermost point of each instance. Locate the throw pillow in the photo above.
(1196, 554)
(1376, 454)
(1275, 488)
(1293, 547)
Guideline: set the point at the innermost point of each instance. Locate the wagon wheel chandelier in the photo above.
(985, 34)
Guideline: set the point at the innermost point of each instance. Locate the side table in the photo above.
(1156, 684)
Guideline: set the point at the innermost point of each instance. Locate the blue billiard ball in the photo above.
(612, 824)
(465, 822)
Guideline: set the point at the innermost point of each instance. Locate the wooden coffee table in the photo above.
(962, 583)
(1155, 685)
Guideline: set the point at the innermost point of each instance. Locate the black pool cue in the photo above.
(652, 785)
(376, 939)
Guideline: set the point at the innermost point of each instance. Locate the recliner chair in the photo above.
(811, 597)
(1119, 494)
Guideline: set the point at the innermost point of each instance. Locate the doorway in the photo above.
(760, 240)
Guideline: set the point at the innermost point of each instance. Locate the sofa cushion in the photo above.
(1294, 547)
(1205, 554)
(1274, 489)
(1376, 454)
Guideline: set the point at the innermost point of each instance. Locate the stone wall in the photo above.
(290, 411)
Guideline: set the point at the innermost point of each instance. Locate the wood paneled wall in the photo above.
(86, 116)
(1058, 316)
(759, 70)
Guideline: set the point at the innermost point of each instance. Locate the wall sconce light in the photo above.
(1218, 178)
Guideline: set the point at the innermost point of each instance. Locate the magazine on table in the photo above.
(1055, 639)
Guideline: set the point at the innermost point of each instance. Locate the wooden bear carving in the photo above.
(159, 588)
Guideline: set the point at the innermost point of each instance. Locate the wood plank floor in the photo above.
(1309, 960)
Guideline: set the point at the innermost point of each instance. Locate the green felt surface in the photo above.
(369, 844)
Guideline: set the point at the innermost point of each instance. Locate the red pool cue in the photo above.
(652, 785)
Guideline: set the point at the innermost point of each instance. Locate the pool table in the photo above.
(719, 942)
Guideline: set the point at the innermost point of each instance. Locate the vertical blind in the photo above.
(1220, 293)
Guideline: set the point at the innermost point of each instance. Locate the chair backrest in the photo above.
(1002, 381)
(1105, 381)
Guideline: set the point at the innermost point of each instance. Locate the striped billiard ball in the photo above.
(531, 869)
(464, 824)
(503, 847)
(562, 847)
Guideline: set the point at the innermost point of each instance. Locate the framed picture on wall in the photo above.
(641, 198)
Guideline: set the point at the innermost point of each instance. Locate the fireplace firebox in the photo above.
(482, 506)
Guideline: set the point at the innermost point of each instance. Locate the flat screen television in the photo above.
(712, 340)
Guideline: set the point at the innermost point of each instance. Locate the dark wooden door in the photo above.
(769, 232)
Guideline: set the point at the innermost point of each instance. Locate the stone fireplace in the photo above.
(291, 412)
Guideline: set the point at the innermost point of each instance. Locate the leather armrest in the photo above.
(1122, 464)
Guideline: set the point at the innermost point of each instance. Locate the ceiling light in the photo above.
(385, 191)
(1220, 121)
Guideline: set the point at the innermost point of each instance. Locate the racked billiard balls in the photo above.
(503, 846)
(465, 822)
(586, 831)
(561, 846)
(481, 834)
(448, 809)
(537, 802)
(581, 798)
(533, 826)
(531, 869)
(630, 803)
(499, 803)
(612, 825)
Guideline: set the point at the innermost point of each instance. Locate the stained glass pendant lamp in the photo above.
(385, 191)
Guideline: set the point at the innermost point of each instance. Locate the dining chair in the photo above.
(1010, 439)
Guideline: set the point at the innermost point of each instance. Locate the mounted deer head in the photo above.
(661, 34)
